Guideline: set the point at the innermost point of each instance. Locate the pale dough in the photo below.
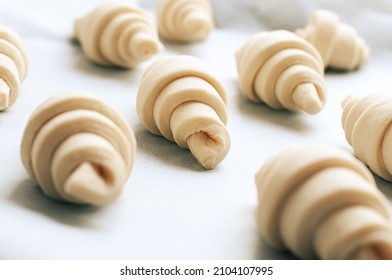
(116, 33)
(185, 20)
(180, 99)
(78, 149)
(13, 66)
(282, 70)
(319, 201)
(367, 124)
(338, 43)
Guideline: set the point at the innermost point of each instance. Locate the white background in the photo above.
(171, 207)
(108, 269)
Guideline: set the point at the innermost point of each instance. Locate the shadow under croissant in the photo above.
(334, 71)
(384, 186)
(289, 120)
(165, 151)
(182, 48)
(83, 64)
(265, 252)
(28, 195)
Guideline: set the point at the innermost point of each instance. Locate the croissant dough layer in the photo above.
(338, 43)
(78, 149)
(180, 99)
(13, 66)
(367, 124)
(319, 201)
(282, 70)
(116, 33)
(185, 20)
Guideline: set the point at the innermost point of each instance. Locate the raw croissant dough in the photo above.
(367, 125)
(319, 201)
(282, 70)
(13, 66)
(78, 149)
(117, 33)
(179, 99)
(338, 43)
(185, 20)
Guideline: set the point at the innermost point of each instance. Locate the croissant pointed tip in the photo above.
(198, 22)
(346, 101)
(186, 22)
(143, 46)
(306, 97)
(208, 151)
(88, 184)
(4, 95)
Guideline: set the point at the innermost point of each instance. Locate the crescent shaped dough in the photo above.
(78, 149)
(338, 43)
(282, 70)
(185, 20)
(180, 99)
(13, 66)
(116, 33)
(367, 124)
(319, 201)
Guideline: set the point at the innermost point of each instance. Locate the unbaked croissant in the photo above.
(282, 70)
(367, 125)
(78, 149)
(338, 43)
(319, 201)
(116, 33)
(180, 99)
(13, 66)
(185, 20)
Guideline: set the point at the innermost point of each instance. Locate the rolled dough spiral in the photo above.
(181, 100)
(319, 201)
(367, 124)
(185, 20)
(116, 33)
(338, 43)
(78, 149)
(282, 70)
(13, 66)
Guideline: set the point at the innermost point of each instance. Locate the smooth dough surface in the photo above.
(185, 20)
(116, 33)
(13, 66)
(367, 124)
(281, 70)
(180, 99)
(338, 43)
(320, 202)
(78, 148)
